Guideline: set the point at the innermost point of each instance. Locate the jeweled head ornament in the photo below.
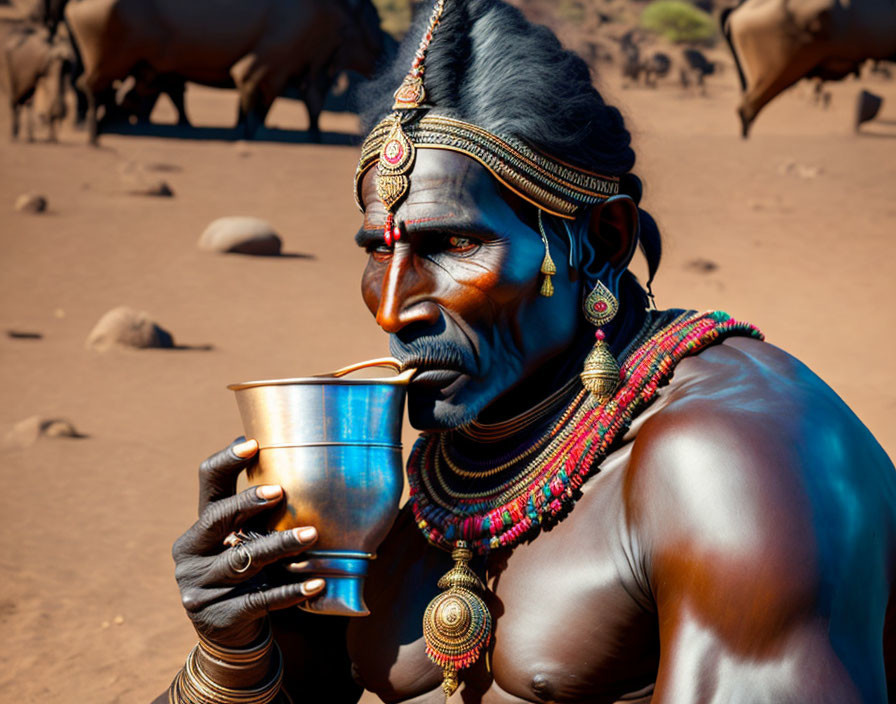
(394, 152)
(552, 185)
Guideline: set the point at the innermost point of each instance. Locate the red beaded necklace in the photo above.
(543, 486)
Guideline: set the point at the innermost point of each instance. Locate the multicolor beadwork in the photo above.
(537, 492)
(457, 624)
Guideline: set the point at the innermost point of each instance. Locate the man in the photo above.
(706, 522)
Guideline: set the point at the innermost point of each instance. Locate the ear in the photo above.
(613, 230)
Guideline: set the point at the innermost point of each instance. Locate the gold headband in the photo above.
(552, 185)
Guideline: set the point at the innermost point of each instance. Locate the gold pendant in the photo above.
(457, 624)
(410, 94)
(600, 373)
(395, 163)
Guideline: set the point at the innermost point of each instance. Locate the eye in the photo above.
(380, 251)
(461, 244)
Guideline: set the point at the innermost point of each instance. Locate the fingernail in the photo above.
(313, 585)
(306, 535)
(298, 566)
(268, 491)
(245, 449)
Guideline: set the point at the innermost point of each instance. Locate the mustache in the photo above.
(432, 353)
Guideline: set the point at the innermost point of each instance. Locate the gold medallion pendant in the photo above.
(457, 624)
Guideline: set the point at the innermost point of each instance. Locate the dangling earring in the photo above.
(600, 373)
(548, 268)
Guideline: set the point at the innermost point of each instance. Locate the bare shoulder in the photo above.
(746, 405)
(762, 514)
(755, 463)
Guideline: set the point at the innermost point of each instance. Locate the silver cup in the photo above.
(334, 445)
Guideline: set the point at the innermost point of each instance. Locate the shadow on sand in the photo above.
(229, 134)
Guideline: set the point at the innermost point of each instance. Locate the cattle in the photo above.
(258, 46)
(695, 67)
(656, 67)
(775, 43)
(33, 66)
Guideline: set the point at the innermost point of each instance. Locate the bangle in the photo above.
(240, 656)
(193, 685)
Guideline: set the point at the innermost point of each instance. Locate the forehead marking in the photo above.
(423, 221)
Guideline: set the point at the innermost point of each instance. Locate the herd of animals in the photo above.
(121, 55)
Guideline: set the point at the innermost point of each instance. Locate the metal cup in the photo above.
(334, 445)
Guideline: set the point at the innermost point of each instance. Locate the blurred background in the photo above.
(127, 304)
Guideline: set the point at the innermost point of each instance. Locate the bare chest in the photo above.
(567, 627)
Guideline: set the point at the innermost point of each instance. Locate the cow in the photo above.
(33, 66)
(656, 67)
(258, 46)
(695, 67)
(775, 43)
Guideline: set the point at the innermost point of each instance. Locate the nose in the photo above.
(406, 295)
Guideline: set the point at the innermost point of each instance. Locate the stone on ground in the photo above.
(31, 203)
(126, 327)
(139, 182)
(242, 235)
(27, 432)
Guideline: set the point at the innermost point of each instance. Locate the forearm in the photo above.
(215, 674)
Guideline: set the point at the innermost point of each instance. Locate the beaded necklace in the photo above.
(541, 486)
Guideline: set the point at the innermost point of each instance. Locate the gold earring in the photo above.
(600, 373)
(548, 268)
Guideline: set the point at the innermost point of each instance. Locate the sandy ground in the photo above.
(793, 230)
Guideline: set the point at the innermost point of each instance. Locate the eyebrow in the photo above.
(367, 236)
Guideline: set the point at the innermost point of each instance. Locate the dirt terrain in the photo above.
(792, 230)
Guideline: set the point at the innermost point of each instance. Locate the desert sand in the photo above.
(792, 230)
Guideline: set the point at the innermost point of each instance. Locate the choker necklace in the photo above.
(494, 432)
(487, 507)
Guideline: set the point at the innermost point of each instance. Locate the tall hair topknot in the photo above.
(488, 65)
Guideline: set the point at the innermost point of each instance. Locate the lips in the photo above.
(436, 378)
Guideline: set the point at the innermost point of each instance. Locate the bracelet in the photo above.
(239, 656)
(193, 685)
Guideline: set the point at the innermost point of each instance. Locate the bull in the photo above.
(257, 46)
(34, 65)
(775, 43)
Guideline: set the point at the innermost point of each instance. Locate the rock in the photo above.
(126, 327)
(58, 428)
(140, 183)
(701, 266)
(792, 168)
(155, 187)
(27, 432)
(31, 203)
(243, 235)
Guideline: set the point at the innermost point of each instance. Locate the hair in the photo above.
(488, 65)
